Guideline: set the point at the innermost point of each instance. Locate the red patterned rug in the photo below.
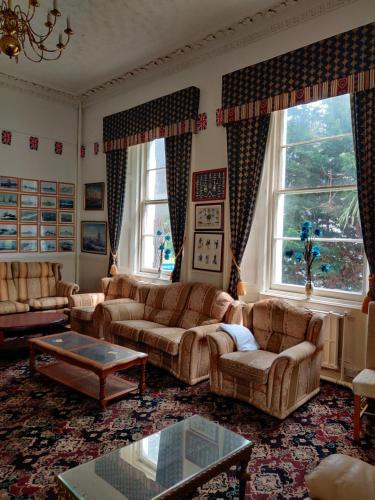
(46, 429)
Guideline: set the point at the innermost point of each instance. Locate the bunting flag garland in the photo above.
(201, 122)
(96, 148)
(6, 137)
(33, 143)
(58, 148)
(83, 151)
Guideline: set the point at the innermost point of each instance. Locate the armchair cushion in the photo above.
(131, 328)
(11, 307)
(251, 365)
(44, 303)
(166, 339)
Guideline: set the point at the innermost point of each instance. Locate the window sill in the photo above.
(153, 278)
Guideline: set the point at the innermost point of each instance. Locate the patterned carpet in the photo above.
(46, 429)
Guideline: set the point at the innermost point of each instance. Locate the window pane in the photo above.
(326, 163)
(156, 185)
(156, 218)
(345, 260)
(156, 154)
(336, 213)
(319, 119)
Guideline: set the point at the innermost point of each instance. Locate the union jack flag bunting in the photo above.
(6, 137)
(219, 117)
(34, 143)
(83, 151)
(58, 148)
(96, 148)
(202, 122)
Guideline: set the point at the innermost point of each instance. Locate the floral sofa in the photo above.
(172, 326)
(33, 286)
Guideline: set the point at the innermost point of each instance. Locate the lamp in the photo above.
(17, 34)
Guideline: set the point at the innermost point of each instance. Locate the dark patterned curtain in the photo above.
(116, 184)
(363, 113)
(178, 153)
(246, 144)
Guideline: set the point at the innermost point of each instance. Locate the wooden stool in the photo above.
(363, 388)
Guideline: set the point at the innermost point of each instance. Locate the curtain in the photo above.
(363, 114)
(246, 145)
(116, 183)
(178, 153)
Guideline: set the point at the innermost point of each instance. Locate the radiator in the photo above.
(333, 331)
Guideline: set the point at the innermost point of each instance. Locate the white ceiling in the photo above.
(115, 36)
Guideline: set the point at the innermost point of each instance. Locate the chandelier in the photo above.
(17, 34)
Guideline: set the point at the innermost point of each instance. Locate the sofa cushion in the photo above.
(165, 339)
(11, 307)
(206, 304)
(44, 303)
(83, 313)
(164, 304)
(253, 366)
(35, 279)
(131, 328)
(8, 289)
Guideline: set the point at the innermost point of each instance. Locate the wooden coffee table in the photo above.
(13, 324)
(87, 364)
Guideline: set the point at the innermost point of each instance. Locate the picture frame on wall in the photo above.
(8, 230)
(66, 217)
(48, 231)
(29, 186)
(94, 237)
(66, 203)
(48, 187)
(29, 201)
(66, 189)
(28, 230)
(28, 216)
(48, 245)
(8, 215)
(48, 202)
(66, 245)
(208, 252)
(8, 183)
(28, 246)
(209, 216)
(48, 216)
(66, 231)
(209, 185)
(94, 196)
(8, 246)
(8, 200)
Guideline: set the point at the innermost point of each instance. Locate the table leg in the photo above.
(142, 379)
(31, 359)
(102, 380)
(243, 476)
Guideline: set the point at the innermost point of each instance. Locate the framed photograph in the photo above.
(94, 196)
(209, 184)
(200, 451)
(8, 200)
(208, 251)
(66, 245)
(8, 230)
(8, 215)
(209, 217)
(66, 203)
(94, 237)
(48, 187)
(28, 230)
(8, 246)
(66, 217)
(66, 189)
(29, 201)
(28, 216)
(28, 245)
(8, 183)
(66, 231)
(29, 185)
(48, 231)
(48, 216)
(48, 246)
(49, 202)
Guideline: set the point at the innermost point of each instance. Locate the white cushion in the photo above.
(242, 336)
(364, 383)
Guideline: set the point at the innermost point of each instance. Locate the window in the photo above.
(315, 180)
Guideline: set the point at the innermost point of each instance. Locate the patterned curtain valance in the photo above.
(342, 64)
(170, 115)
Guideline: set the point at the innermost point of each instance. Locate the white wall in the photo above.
(28, 115)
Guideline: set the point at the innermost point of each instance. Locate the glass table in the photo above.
(87, 364)
(171, 463)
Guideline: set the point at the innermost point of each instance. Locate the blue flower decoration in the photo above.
(167, 238)
(318, 232)
(289, 253)
(158, 232)
(306, 225)
(161, 247)
(316, 251)
(325, 268)
(298, 256)
(304, 235)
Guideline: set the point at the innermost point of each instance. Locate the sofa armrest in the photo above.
(121, 311)
(65, 289)
(85, 299)
(297, 353)
(203, 330)
(220, 342)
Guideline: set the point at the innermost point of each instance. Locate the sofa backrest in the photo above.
(34, 280)
(165, 303)
(124, 286)
(8, 289)
(206, 304)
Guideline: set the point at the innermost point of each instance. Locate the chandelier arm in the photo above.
(18, 10)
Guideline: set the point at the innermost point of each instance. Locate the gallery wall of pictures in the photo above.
(36, 215)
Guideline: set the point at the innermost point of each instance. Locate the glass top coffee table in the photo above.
(171, 463)
(87, 364)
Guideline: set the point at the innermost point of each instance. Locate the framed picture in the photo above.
(8, 183)
(8, 230)
(66, 231)
(8, 200)
(66, 245)
(8, 215)
(66, 188)
(48, 246)
(94, 196)
(49, 202)
(28, 245)
(29, 186)
(48, 216)
(94, 237)
(209, 217)
(8, 246)
(29, 201)
(28, 230)
(28, 216)
(66, 203)
(66, 217)
(208, 251)
(209, 184)
(48, 231)
(48, 187)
